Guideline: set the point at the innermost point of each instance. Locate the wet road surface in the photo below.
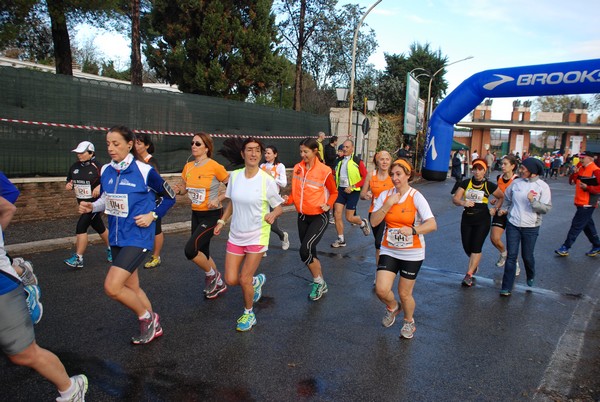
(470, 344)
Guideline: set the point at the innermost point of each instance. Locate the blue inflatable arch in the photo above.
(577, 77)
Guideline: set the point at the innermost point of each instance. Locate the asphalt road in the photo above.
(542, 343)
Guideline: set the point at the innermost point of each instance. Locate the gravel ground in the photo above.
(25, 232)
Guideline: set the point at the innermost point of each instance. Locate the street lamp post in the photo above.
(352, 73)
(429, 102)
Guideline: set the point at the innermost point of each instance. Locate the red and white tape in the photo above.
(175, 133)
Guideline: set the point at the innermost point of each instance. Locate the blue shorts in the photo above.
(128, 257)
(349, 200)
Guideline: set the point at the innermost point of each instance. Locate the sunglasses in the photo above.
(196, 143)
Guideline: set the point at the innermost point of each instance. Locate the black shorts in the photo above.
(129, 257)
(499, 221)
(407, 269)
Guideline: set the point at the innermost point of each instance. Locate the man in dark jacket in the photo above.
(331, 152)
(458, 168)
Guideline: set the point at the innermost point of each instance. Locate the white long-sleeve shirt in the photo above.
(522, 212)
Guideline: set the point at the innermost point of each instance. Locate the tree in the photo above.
(213, 47)
(318, 38)
(25, 33)
(558, 104)
(397, 66)
(62, 14)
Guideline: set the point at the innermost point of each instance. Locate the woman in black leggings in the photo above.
(473, 194)
(313, 193)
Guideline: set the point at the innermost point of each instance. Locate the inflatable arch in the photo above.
(577, 77)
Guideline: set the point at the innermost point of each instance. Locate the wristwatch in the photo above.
(154, 215)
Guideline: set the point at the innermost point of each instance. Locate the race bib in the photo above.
(117, 205)
(83, 191)
(398, 240)
(474, 195)
(344, 182)
(197, 195)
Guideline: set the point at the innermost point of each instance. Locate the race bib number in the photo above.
(117, 205)
(474, 195)
(398, 240)
(344, 182)
(83, 191)
(197, 195)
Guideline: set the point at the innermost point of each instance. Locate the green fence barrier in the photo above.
(35, 105)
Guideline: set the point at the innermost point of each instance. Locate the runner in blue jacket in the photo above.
(128, 188)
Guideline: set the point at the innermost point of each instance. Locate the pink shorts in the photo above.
(243, 250)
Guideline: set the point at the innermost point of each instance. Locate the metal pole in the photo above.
(352, 73)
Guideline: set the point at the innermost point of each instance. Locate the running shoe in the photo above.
(518, 271)
(109, 254)
(366, 229)
(467, 280)
(246, 322)
(147, 331)
(530, 282)
(593, 252)
(390, 316)
(27, 277)
(501, 260)
(317, 290)
(259, 281)
(74, 261)
(332, 220)
(338, 243)
(285, 243)
(210, 282)
(505, 293)
(408, 329)
(81, 386)
(158, 331)
(218, 289)
(36, 310)
(153, 263)
(562, 251)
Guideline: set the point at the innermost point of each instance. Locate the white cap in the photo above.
(83, 147)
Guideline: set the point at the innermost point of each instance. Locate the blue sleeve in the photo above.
(8, 190)
(162, 188)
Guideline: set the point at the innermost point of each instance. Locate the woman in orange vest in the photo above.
(276, 169)
(313, 193)
(379, 181)
(509, 166)
(407, 217)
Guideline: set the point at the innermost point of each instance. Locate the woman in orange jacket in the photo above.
(313, 193)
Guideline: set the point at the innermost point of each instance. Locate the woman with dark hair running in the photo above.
(313, 193)
(145, 149)
(406, 217)
(379, 181)
(473, 195)
(276, 169)
(509, 167)
(202, 179)
(253, 193)
(84, 179)
(527, 199)
(128, 188)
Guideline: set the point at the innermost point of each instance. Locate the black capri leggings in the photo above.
(377, 232)
(203, 226)
(474, 230)
(311, 229)
(92, 218)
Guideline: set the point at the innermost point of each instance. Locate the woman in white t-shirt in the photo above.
(252, 192)
(276, 169)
